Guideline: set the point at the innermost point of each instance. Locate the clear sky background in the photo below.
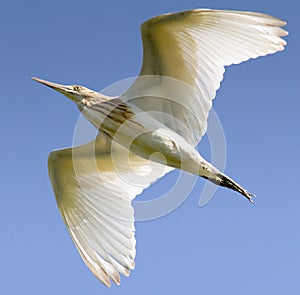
(226, 247)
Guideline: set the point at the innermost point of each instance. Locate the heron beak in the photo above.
(64, 89)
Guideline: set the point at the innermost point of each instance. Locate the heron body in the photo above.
(155, 125)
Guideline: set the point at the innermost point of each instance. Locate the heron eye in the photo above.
(76, 88)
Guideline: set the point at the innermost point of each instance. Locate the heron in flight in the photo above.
(188, 48)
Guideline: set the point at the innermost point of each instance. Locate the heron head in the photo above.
(75, 92)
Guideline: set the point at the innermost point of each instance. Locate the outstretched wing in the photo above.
(193, 47)
(94, 185)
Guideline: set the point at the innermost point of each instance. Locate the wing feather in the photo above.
(194, 47)
(94, 196)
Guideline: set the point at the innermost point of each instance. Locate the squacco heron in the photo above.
(192, 47)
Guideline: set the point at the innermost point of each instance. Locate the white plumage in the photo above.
(95, 183)
(95, 203)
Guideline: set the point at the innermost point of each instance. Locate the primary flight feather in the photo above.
(165, 111)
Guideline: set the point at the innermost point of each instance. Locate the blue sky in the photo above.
(226, 247)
